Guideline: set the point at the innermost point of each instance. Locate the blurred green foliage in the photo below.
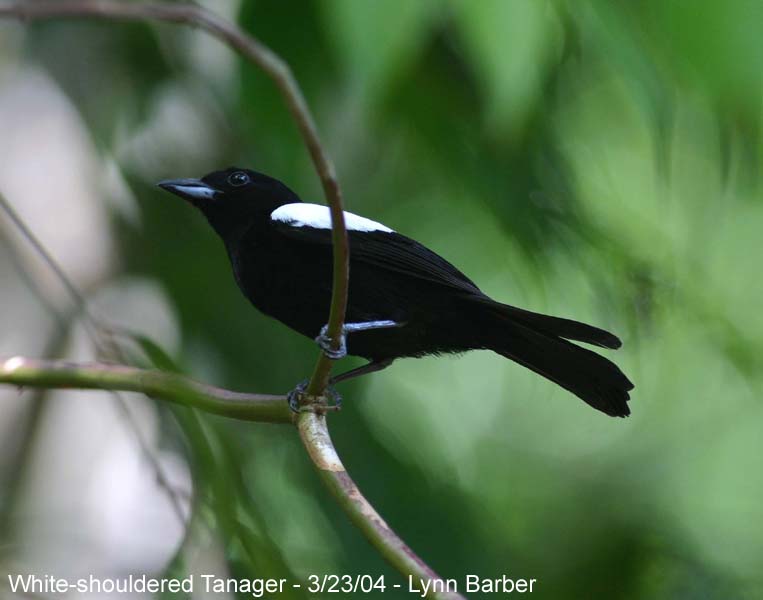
(599, 160)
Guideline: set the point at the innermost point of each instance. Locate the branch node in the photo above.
(302, 400)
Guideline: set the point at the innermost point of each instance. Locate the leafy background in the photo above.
(599, 160)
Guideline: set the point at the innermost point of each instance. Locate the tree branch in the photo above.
(277, 69)
(28, 372)
(315, 437)
(59, 374)
(173, 388)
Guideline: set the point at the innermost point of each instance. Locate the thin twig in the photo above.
(19, 264)
(28, 372)
(278, 70)
(79, 300)
(252, 407)
(104, 346)
(312, 426)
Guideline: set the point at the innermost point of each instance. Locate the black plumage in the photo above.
(281, 254)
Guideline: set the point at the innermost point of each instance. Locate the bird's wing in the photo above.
(370, 243)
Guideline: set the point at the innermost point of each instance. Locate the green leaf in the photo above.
(156, 355)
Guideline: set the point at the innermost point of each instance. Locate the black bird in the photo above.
(404, 300)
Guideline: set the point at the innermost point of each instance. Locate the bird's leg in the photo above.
(295, 396)
(325, 342)
(371, 367)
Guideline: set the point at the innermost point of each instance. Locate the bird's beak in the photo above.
(193, 190)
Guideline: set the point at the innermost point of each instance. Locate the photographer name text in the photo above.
(314, 584)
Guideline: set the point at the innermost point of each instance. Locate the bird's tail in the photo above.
(539, 342)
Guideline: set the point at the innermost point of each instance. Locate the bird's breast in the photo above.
(282, 282)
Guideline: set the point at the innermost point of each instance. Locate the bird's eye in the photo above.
(238, 179)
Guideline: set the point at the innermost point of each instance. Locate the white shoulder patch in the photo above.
(301, 214)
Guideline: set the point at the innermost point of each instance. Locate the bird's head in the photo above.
(232, 198)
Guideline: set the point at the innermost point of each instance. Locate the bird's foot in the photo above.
(299, 401)
(295, 395)
(326, 343)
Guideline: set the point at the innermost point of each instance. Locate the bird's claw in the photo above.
(299, 401)
(326, 343)
(295, 395)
